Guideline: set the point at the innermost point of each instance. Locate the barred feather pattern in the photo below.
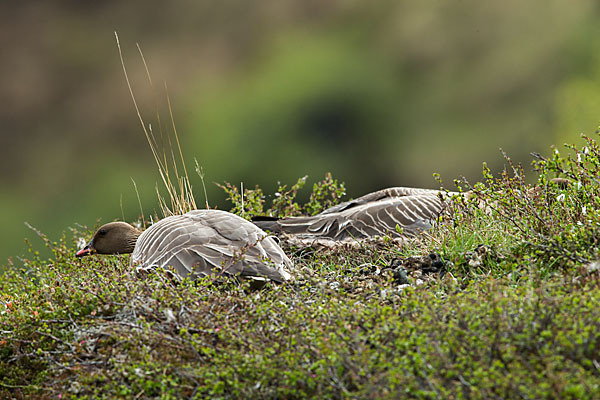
(399, 212)
(211, 242)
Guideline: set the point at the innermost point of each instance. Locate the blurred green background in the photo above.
(379, 93)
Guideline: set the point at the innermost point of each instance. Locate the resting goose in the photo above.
(199, 243)
(375, 214)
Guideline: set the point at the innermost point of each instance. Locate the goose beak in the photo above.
(86, 251)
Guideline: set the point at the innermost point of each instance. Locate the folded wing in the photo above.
(211, 242)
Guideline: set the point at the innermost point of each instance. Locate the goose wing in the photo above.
(376, 214)
(207, 242)
(382, 194)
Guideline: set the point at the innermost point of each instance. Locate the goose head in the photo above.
(112, 238)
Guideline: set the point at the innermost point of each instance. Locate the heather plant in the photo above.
(326, 193)
(250, 202)
(284, 203)
(551, 224)
(247, 203)
(514, 313)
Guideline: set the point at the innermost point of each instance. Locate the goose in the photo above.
(399, 212)
(198, 243)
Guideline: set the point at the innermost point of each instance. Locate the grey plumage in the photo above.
(211, 242)
(398, 212)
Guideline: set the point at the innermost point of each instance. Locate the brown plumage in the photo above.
(398, 212)
(198, 243)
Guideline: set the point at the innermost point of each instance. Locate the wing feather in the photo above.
(374, 214)
(205, 242)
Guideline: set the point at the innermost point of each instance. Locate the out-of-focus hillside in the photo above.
(380, 94)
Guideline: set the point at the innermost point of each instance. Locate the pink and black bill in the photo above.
(87, 250)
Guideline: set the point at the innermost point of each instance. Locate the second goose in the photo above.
(399, 212)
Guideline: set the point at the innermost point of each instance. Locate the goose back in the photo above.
(207, 242)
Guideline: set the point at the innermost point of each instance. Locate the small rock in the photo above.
(594, 266)
(367, 269)
(400, 276)
(474, 262)
(169, 315)
(431, 263)
(75, 387)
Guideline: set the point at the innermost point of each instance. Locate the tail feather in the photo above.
(265, 223)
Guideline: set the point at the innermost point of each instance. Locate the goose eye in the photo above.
(102, 232)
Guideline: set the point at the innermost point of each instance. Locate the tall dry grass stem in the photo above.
(180, 195)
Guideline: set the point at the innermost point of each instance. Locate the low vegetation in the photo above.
(511, 310)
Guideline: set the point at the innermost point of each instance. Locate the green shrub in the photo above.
(518, 317)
